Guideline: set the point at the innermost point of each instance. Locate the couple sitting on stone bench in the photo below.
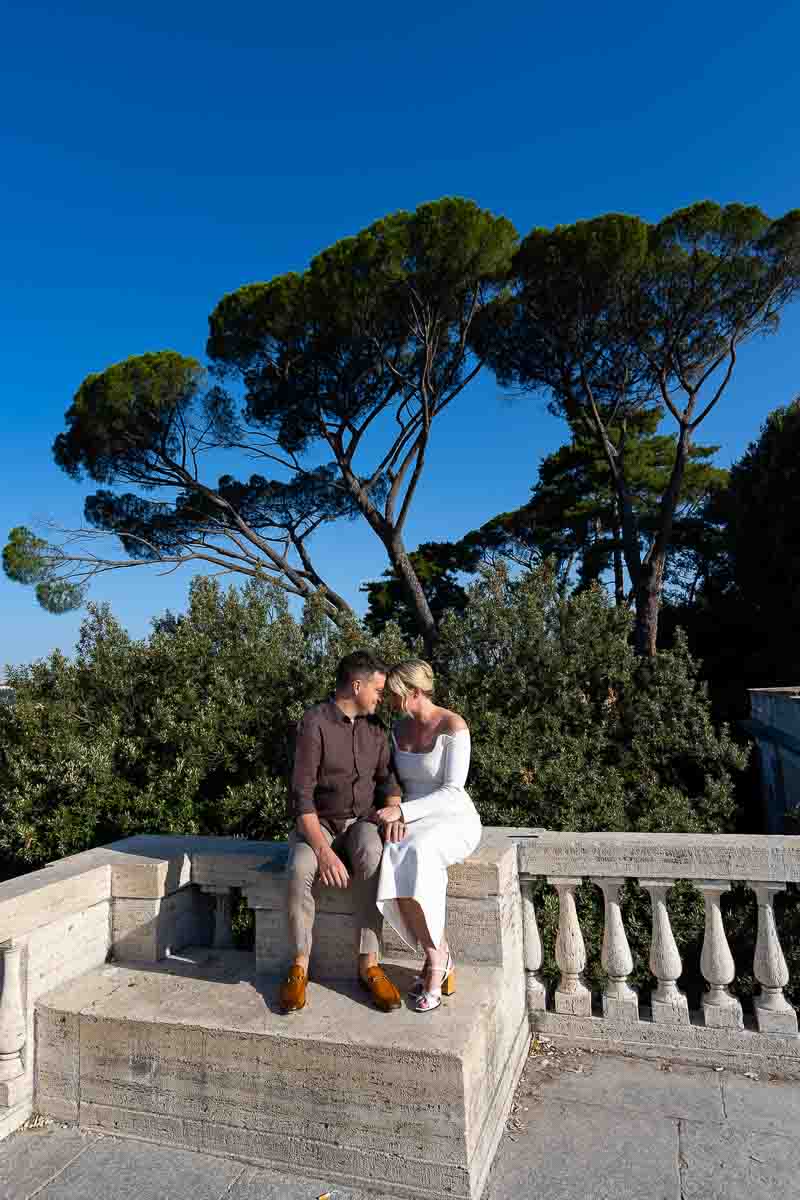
(389, 818)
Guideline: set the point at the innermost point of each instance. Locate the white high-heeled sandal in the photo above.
(418, 986)
(430, 998)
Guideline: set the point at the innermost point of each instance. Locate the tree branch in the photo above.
(720, 389)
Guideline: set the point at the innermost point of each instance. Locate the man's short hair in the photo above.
(358, 665)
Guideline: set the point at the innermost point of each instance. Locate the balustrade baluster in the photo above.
(774, 1013)
(223, 916)
(720, 1009)
(532, 951)
(12, 1024)
(668, 1004)
(572, 996)
(620, 1001)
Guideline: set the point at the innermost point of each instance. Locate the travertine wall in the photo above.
(194, 1052)
(134, 899)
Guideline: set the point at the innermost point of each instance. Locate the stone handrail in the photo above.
(710, 862)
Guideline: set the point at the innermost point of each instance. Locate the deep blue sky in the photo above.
(156, 159)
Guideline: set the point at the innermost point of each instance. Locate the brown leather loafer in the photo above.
(292, 996)
(384, 993)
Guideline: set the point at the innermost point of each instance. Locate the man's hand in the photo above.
(332, 870)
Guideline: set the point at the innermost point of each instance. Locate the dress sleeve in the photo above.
(454, 775)
(387, 785)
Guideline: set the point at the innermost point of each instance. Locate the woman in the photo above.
(437, 823)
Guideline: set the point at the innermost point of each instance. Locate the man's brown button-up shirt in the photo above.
(342, 767)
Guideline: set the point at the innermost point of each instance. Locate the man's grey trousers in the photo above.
(360, 848)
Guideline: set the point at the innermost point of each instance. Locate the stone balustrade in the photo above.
(142, 899)
(662, 1021)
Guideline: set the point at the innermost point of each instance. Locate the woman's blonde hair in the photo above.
(413, 673)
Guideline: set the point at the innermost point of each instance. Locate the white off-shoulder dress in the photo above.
(442, 827)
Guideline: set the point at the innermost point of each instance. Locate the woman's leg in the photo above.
(435, 956)
(414, 917)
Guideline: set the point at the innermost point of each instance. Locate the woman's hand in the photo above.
(390, 822)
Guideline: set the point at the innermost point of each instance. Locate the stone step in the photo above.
(193, 1052)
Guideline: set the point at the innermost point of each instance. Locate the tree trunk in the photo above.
(648, 603)
(398, 557)
(414, 593)
(650, 582)
(619, 575)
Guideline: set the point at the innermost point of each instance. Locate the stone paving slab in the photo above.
(722, 1162)
(572, 1151)
(30, 1160)
(117, 1169)
(656, 1088)
(272, 1185)
(771, 1105)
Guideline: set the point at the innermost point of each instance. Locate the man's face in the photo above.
(368, 692)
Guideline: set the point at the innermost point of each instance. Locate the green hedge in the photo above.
(189, 730)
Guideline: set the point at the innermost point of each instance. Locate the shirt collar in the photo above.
(338, 715)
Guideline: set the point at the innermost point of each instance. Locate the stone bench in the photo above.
(481, 905)
(177, 1037)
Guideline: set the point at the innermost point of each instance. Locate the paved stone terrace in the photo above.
(585, 1126)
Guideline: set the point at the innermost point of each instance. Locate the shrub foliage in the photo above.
(189, 730)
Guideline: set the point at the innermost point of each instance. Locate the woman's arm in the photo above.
(456, 767)
(387, 786)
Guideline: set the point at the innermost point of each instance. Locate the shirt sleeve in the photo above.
(387, 783)
(454, 776)
(307, 759)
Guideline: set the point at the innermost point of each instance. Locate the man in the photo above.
(342, 771)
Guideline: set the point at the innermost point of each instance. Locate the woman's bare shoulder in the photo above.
(452, 722)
